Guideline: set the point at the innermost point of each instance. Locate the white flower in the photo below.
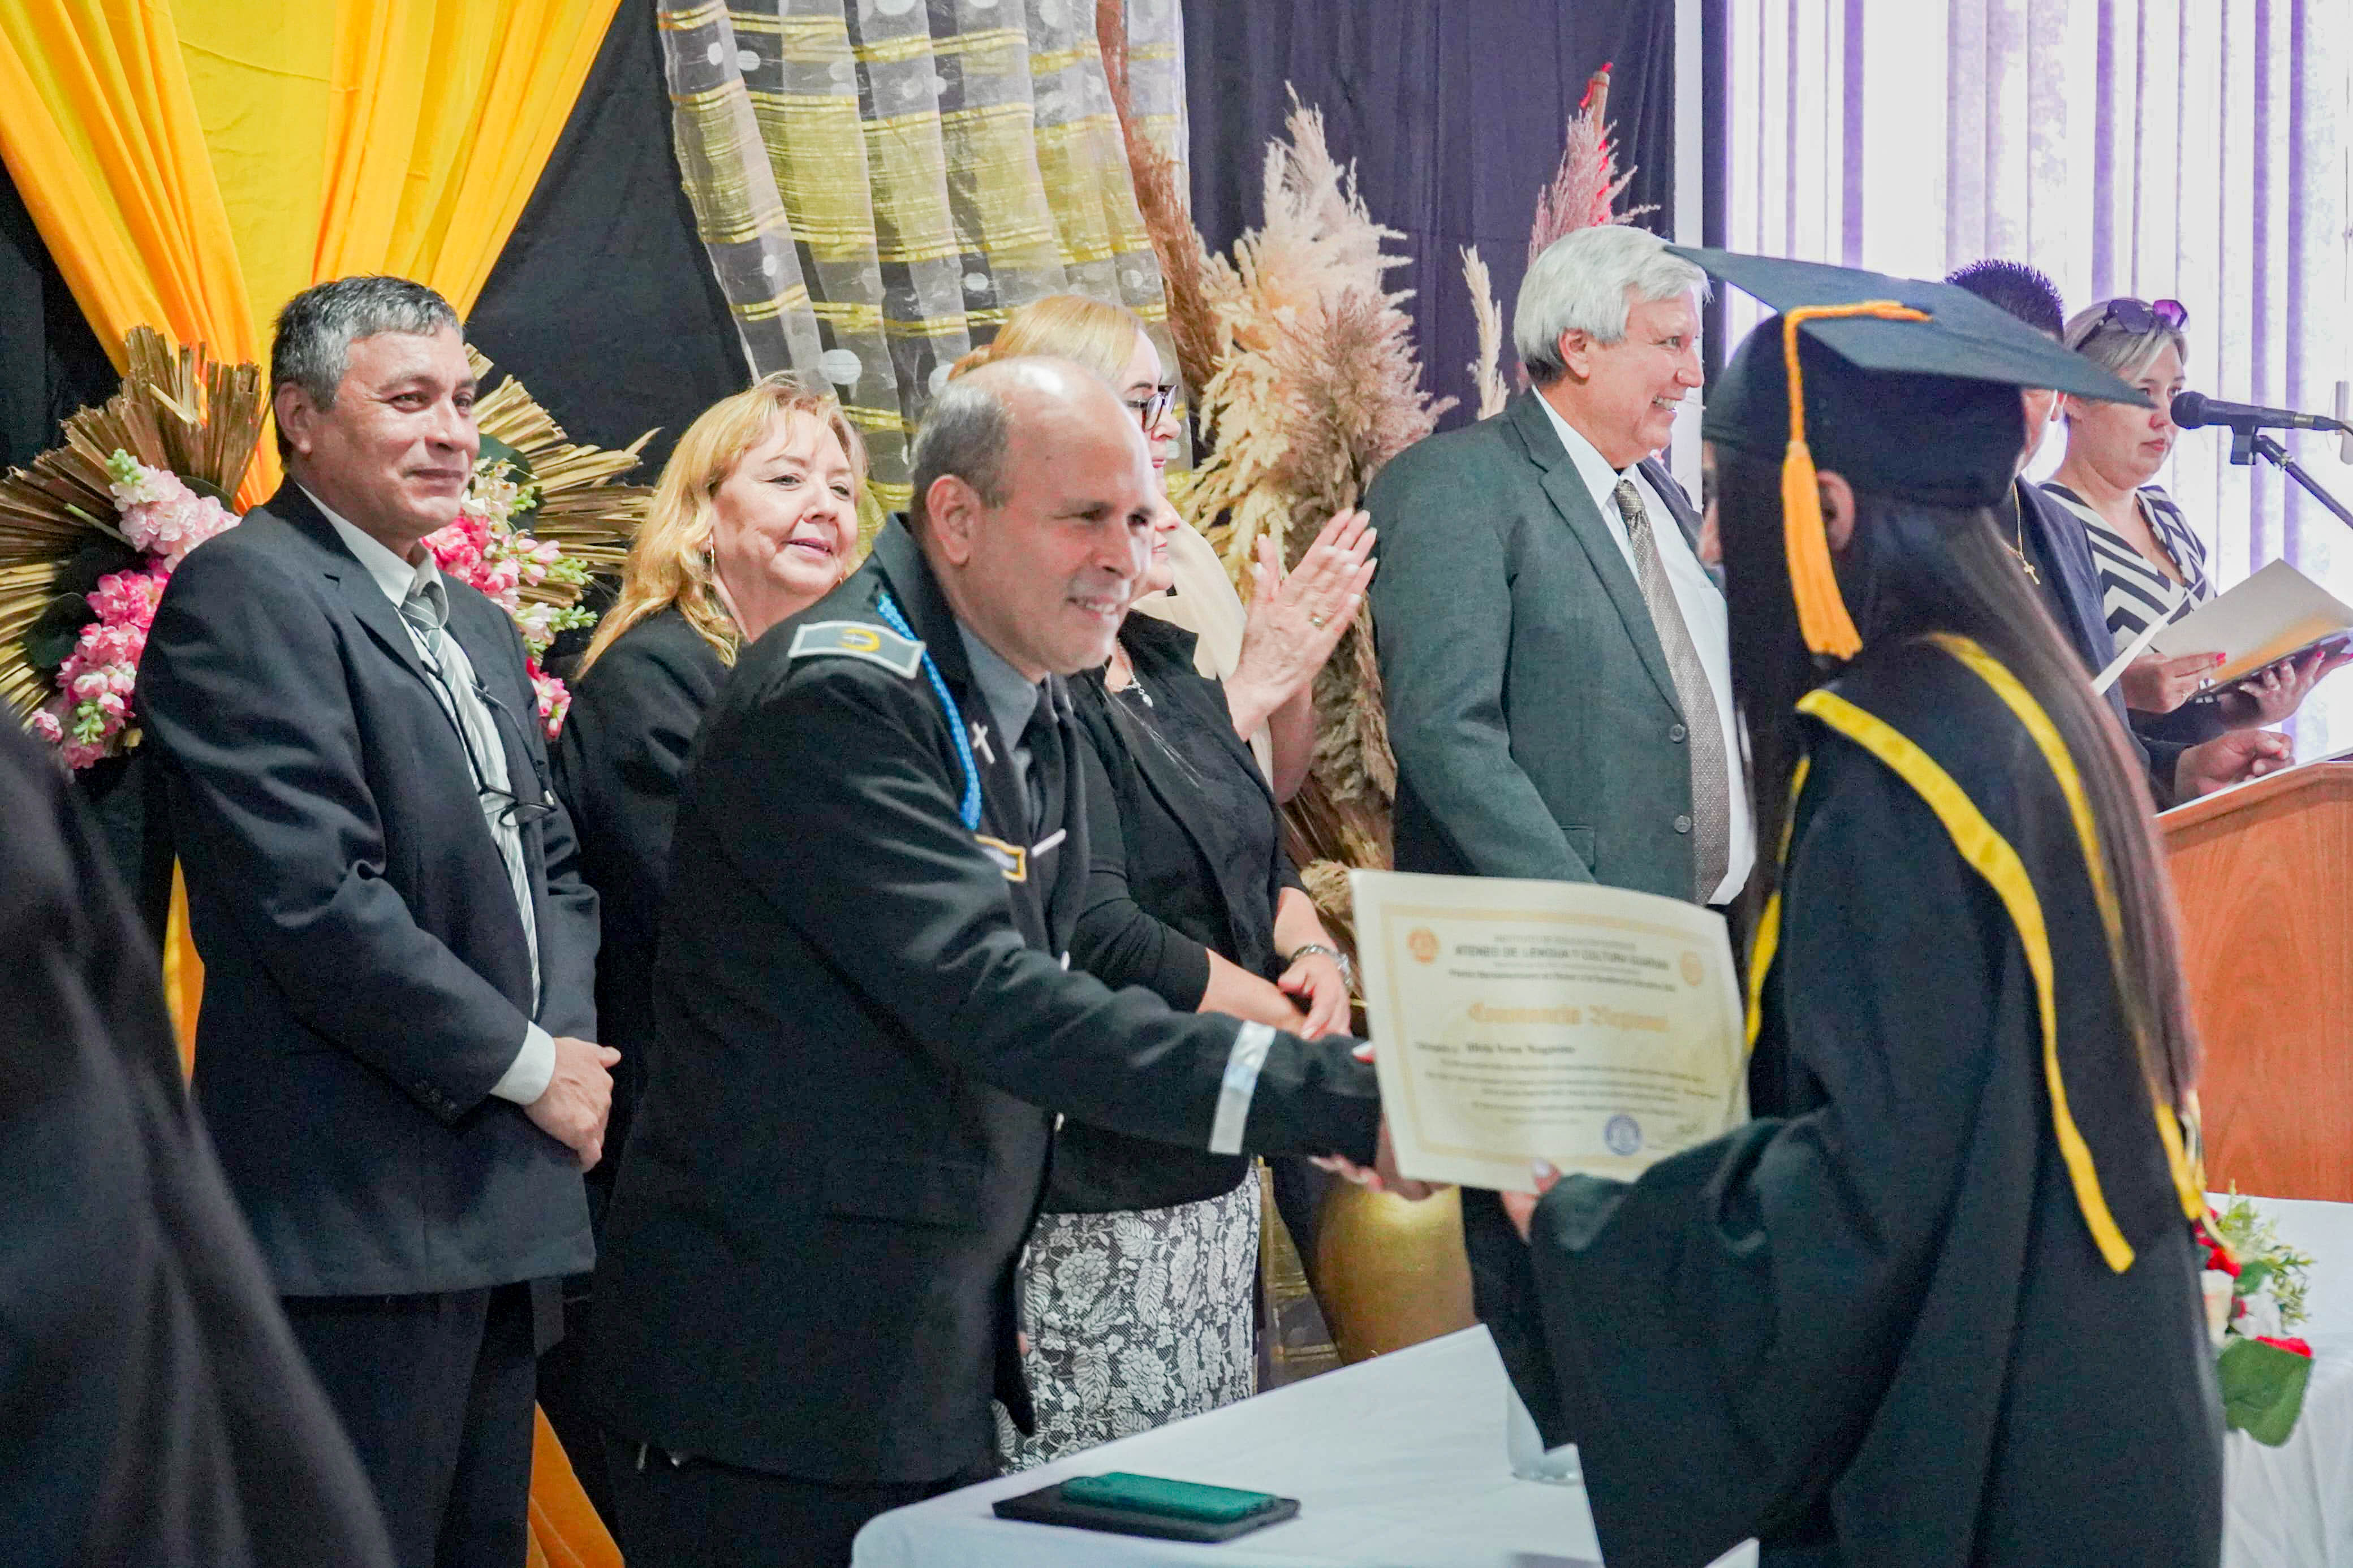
(2218, 1287)
(2261, 1319)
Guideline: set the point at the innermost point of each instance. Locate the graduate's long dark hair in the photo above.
(1911, 569)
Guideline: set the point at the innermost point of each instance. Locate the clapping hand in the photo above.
(1297, 617)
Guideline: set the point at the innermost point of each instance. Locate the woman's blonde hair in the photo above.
(1085, 331)
(670, 560)
(2107, 345)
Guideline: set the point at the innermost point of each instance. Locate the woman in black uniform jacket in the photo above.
(1939, 1303)
(753, 520)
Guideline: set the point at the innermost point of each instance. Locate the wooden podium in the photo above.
(2265, 876)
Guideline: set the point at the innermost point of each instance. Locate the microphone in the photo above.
(2193, 409)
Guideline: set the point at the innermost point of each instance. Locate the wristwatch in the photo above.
(1348, 970)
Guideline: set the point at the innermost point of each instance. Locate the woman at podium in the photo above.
(2152, 564)
(1940, 1302)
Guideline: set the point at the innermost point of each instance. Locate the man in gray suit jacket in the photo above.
(1553, 653)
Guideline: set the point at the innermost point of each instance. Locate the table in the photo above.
(1398, 1463)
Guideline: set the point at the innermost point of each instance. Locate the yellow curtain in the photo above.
(100, 131)
(192, 164)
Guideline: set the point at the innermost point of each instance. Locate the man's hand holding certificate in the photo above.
(1590, 1028)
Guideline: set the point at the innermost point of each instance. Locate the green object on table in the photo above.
(2263, 1389)
(1171, 1499)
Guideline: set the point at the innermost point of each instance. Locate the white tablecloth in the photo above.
(1398, 1463)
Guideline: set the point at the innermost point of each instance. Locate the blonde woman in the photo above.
(1138, 1282)
(753, 520)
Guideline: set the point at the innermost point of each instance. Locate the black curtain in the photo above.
(51, 364)
(603, 302)
(1453, 111)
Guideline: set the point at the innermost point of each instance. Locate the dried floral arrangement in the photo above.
(92, 531)
(1306, 384)
(1583, 193)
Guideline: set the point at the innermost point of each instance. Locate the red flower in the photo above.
(2294, 1347)
(2218, 1256)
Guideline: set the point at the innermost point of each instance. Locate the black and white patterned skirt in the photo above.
(1136, 1319)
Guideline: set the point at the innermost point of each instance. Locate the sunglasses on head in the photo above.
(2138, 316)
(1149, 409)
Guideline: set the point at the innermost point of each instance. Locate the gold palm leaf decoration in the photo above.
(179, 411)
(581, 510)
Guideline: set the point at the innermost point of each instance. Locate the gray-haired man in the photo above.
(395, 1048)
(1553, 657)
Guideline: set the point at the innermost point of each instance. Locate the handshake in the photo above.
(572, 1110)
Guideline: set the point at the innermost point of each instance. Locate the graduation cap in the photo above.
(1908, 388)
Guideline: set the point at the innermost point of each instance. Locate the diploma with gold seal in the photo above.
(1513, 1021)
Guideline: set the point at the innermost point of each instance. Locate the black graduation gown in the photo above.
(1878, 1325)
(155, 1409)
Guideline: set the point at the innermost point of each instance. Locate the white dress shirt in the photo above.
(1701, 604)
(527, 1076)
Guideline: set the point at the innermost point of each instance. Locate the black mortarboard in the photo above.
(1908, 388)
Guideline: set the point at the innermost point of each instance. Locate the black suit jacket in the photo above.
(619, 764)
(807, 1266)
(1159, 902)
(366, 980)
(153, 1408)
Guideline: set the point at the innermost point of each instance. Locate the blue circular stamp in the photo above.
(1622, 1133)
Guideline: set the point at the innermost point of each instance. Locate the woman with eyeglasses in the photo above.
(2151, 562)
(1138, 1282)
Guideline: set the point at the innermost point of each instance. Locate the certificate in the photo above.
(1598, 1029)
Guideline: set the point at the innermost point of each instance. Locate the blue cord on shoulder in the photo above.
(970, 808)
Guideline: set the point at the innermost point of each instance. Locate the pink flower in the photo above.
(554, 699)
(45, 726)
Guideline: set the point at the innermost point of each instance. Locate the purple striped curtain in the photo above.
(2201, 150)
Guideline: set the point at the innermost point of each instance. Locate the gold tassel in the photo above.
(1822, 617)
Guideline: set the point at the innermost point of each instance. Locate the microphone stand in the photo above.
(2247, 443)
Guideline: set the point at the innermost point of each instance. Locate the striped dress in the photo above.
(2134, 593)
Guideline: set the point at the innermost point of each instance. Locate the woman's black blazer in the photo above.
(619, 763)
(1158, 901)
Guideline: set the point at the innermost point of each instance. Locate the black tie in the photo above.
(1044, 783)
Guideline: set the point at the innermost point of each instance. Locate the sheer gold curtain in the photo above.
(879, 184)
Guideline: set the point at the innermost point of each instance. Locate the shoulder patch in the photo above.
(900, 656)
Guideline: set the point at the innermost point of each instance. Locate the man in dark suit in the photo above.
(1553, 657)
(806, 1301)
(394, 1050)
(152, 1407)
